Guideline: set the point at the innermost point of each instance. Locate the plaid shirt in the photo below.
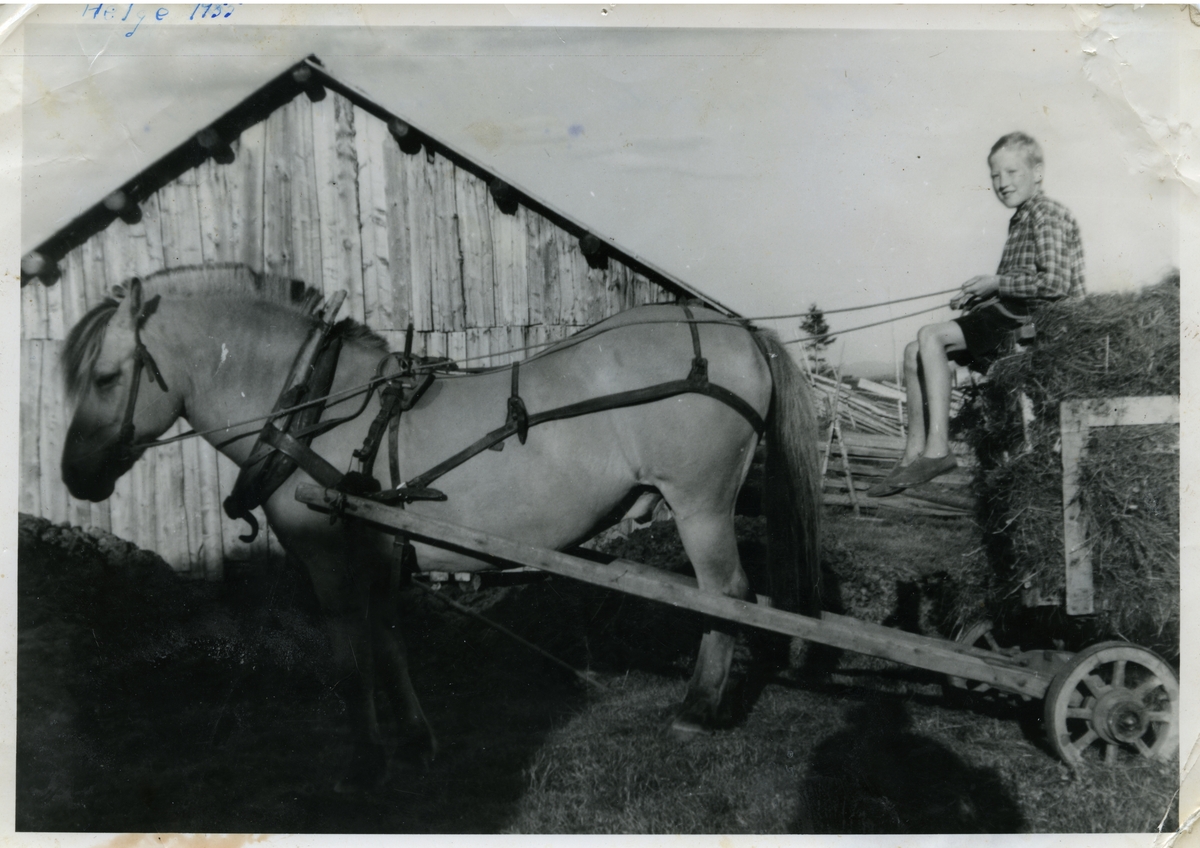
(1043, 257)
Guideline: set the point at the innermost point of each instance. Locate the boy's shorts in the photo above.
(987, 330)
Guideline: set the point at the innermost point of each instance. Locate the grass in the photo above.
(147, 703)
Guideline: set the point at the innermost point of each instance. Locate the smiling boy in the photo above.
(1042, 262)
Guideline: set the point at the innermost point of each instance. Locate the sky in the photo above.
(838, 160)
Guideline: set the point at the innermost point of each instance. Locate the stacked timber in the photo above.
(865, 430)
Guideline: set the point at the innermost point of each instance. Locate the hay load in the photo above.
(1104, 346)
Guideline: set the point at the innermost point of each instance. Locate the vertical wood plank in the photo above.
(475, 351)
(1073, 434)
(374, 179)
(74, 288)
(171, 533)
(456, 345)
(595, 301)
(277, 194)
(573, 273)
(448, 309)
(179, 204)
(193, 500)
(509, 265)
(244, 179)
(419, 215)
(535, 270)
(307, 247)
(52, 426)
(215, 208)
(54, 311)
(96, 283)
(34, 319)
(475, 246)
(30, 495)
(336, 191)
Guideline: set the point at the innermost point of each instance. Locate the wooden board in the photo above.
(412, 231)
(30, 495)
(335, 186)
(1076, 418)
(537, 233)
(447, 284)
(645, 582)
(475, 238)
(244, 180)
(509, 261)
(375, 236)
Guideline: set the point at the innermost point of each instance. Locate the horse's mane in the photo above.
(83, 343)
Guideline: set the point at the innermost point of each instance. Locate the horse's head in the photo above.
(103, 362)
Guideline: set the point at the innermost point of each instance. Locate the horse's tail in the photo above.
(792, 484)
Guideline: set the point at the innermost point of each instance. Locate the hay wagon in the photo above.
(1114, 698)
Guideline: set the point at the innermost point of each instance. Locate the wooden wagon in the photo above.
(1112, 696)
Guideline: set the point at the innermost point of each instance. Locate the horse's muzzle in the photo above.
(90, 468)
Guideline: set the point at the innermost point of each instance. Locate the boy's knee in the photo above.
(933, 334)
(912, 353)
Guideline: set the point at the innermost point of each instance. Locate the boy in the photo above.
(1042, 262)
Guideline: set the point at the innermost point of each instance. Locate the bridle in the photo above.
(141, 360)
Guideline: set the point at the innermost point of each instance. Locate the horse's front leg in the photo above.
(354, 661)
(417, 744)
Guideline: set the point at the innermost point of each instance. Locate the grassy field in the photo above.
(147, 703)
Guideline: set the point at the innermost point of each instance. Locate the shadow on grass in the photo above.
(877, 776)
(151, 703)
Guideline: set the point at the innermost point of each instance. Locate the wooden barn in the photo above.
(311, 180)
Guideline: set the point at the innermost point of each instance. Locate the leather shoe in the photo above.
(887, 487)
(924, 469)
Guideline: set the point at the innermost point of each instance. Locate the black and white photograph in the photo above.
(591, 419)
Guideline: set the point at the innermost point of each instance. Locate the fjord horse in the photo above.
(220, 355)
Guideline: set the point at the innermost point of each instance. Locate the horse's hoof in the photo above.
(416, 754)
(367, 773)
(685, 730)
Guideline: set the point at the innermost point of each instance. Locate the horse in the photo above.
(220, 350)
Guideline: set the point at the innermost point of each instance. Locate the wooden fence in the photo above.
(321, 192)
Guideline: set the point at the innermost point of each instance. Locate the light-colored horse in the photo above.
(224, 356)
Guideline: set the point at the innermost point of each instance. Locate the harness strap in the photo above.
(518, 415)
(699, 372)
(634, 397)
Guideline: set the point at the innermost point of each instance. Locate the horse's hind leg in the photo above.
(711, 545)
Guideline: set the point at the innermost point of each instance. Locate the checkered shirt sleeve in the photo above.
(1043, 257)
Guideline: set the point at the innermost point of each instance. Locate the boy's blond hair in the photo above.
(1023, 142)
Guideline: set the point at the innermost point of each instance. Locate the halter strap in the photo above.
(141, 360)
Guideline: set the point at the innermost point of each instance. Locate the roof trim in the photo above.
(310, 77)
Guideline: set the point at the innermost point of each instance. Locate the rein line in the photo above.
(562, 344)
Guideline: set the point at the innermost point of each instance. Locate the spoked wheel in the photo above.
(978, 635)
(1114, 701)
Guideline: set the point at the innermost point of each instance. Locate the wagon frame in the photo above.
(1118, 694)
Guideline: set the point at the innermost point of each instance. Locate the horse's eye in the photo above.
(105, 381)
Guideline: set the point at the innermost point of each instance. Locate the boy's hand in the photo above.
(976, 288)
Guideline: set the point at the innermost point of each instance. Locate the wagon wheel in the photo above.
(978, 635)
(1112, 698)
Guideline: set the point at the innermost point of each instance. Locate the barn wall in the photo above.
(319, 192)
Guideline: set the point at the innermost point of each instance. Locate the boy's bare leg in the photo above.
(934, 342)
(915, 443)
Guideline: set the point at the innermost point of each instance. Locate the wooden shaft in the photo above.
(632, 578)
